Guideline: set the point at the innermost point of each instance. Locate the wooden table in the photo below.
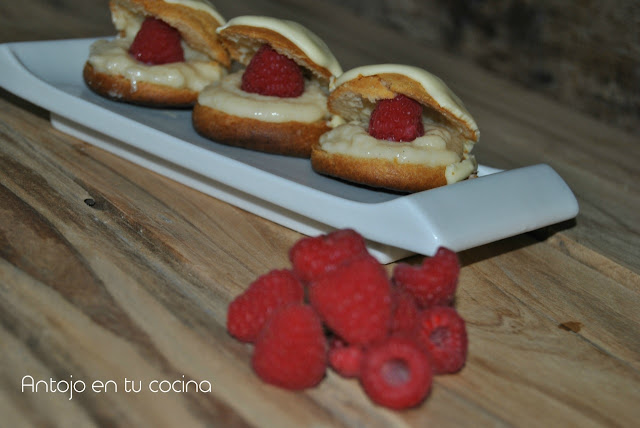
(137, 285)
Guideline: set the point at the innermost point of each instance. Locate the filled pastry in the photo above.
(165, 53)
(403, 130)
(276, 101)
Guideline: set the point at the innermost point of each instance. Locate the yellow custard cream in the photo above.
(195, 73)
(226, 96)
(435, 148)
(112, 57)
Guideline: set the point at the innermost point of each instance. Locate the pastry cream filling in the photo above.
(461, 170)
(226, 96)
(195, 73)
(439, 146)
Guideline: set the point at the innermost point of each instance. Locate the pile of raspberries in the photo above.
(337, 308)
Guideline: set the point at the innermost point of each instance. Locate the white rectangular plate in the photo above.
(285, 190)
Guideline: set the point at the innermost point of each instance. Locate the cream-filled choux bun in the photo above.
(276, 102)
(165, 53)
(363, 150)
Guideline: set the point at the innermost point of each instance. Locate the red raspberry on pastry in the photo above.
(434, 282)
(291, 350)
(249, 311)
(354, 301)
(345, 359)
(271, 73)
(397, 119)
(443, 333)
(313, 257)
(157, 43)
(396, 373)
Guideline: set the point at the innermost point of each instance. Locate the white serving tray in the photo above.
(285, 190)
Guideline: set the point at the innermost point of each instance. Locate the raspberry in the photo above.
(396, 373)
(291, 350)
(249, 311)
(157, 43)
(313, 257)
(397, 119)
(345, 359)
(270, 73)
(354, 301)
(434, 282)
(404, 311)
(443, 333)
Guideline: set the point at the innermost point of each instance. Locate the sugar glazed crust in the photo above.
(242, 41)
(346, 99)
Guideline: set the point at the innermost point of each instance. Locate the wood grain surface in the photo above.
(109, 271)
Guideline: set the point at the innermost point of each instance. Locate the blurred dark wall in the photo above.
(584, 53)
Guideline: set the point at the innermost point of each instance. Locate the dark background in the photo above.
(583, 53)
